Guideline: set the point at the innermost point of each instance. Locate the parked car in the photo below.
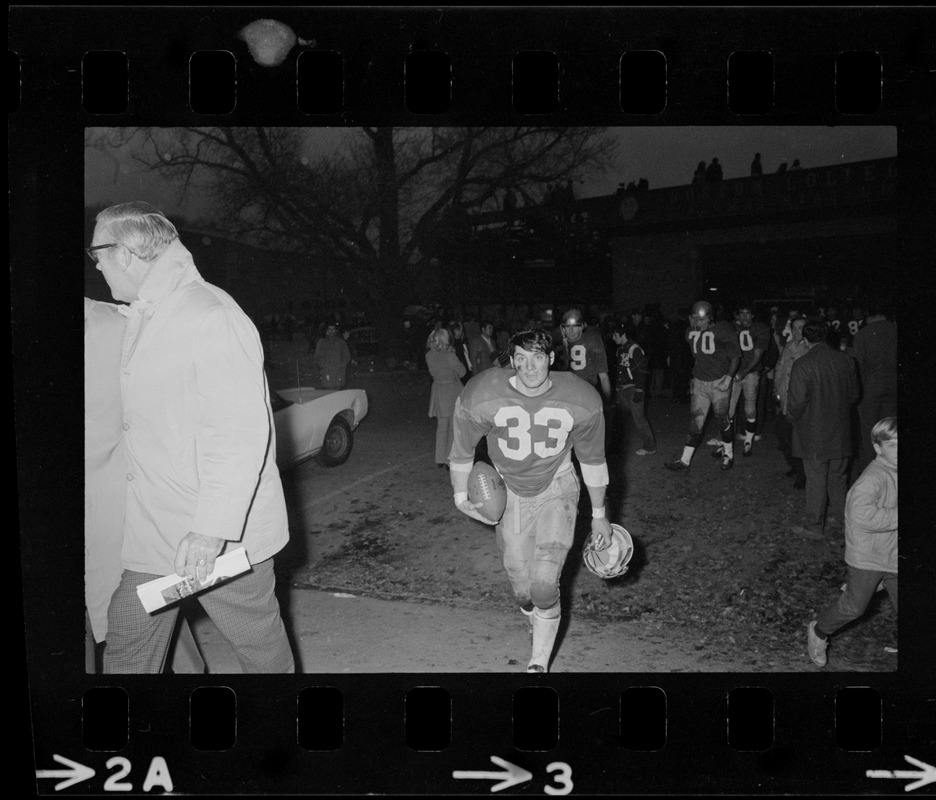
(316, 423)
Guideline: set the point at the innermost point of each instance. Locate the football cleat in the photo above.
(727, 463)
(748, 448)
(718, 452)
(677, 466)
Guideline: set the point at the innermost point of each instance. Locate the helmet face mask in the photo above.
(572, 325)
(701, 316)
(611, 562)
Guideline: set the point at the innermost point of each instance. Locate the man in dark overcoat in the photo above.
(823, 388)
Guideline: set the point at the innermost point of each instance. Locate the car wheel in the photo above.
(339, 439)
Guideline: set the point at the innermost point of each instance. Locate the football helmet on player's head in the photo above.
(613, 560)
(573, 323)
(701, 315)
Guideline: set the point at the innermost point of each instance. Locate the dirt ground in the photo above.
(718, 581)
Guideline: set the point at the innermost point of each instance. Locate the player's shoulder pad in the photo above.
(725, 328)
(484, 383)
(572, 388)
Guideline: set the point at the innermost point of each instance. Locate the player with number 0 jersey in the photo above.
(533, 419)
(754, 339)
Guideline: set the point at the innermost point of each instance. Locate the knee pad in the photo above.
(548, 612)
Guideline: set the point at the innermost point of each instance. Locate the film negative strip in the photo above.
(376, 718)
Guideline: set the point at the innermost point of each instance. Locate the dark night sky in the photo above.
(665, 156)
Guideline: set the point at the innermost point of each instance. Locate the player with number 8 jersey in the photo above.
(533, 419)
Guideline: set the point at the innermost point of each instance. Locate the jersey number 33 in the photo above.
(544, 433)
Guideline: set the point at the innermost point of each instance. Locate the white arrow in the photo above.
(928, 775)
(75, 774)
(511, 777)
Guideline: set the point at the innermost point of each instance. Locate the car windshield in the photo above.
(278, 402)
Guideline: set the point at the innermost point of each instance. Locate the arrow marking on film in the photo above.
(76, 773)
(511, 777)
(927, 775)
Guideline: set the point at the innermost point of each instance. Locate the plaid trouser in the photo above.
(244, 609)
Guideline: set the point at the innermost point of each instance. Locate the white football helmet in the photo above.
(573, 324)
(612, 561)
(702, 315)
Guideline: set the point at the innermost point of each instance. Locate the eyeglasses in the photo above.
(92, 251)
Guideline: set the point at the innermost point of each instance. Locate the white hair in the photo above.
(141, 228)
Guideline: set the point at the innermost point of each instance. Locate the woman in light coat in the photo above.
(446, 371)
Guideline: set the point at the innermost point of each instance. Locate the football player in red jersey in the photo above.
(754, 339)
(717, 355)
(584, 353)
(533, 419)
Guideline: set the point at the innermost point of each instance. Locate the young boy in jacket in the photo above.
(870, 541)
(630, 384)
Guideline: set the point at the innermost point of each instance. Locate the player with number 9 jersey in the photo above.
(583, 352)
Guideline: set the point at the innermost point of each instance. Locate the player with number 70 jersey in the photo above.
(713, 349)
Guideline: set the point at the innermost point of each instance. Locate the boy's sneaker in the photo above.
(816, 646)
(644, 452)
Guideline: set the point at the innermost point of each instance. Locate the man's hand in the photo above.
(196, 555)
(724, 383)
(469, 508)
(601, 533)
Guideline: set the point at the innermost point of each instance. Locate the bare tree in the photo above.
(375, 208)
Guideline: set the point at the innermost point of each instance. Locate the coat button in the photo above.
(129, 476)
(126, 426)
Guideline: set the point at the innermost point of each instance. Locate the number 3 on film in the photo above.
(158, 775)
(564, 778)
